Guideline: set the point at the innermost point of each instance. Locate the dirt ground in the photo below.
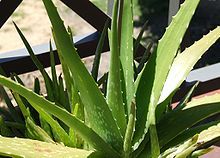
(31, 18)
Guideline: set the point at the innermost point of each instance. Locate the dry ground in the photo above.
(31, 18)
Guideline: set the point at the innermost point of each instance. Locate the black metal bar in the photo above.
(19, 61)
(203, 88)
(93, 15)
(89, 12)
(7, 7)
(209, 78)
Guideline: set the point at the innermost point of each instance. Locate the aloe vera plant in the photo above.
(132, 120)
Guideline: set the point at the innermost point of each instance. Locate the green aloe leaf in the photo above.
(185, 61)
(200, 141)
(186, 98)
(21, 105)
(156, 71)
(95, 66)
(145, 57)
(101, 119)
(11, 109)
(25, 107)
(56, 128)
(210, 134)
(200, 152)
(188, 134)
(66, 71)
(139, 38)
(114, 94)
(86, 133)
(130, 131)
(48, 82)
(63, 99)
(183, 150)
(194, 112)
(126, 52)
(19, 147)
(4, 130)
(53, 72)
(37, 85)
(34, 131)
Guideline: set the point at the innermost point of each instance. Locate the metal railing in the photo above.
(18, 61)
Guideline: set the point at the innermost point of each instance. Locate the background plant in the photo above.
(134, 118)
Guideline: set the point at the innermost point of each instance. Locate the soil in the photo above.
(31, 18)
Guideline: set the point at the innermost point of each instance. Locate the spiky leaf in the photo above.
(157, 68)
(101, 119)
(19, 147)
(86, 133)
(126, 51)
(114, 94)
(195, 111)
(185, 61)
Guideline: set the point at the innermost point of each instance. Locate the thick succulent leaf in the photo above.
(201, 152)
(66, 71)
(126, 52)
(210, 134)
(57, 129)
(78, 111)
(188, 134)
(139, 38)
(48, 82)
(10, 106)
(165, 106)
(37, 85)
(183, 150)
(130, 131)
(186, 98)
(34, 131)
(144, 58)
(185, 61)
(194, 112)
(86, 133)
(53, 72)
(4, 129)
(62, 98)
(215, 98)
(95, 66)
(202, 140)
(157, 68)
(19, 147)
(114, 93)
(21, 105)
(100, 116)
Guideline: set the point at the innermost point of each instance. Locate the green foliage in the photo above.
(132, 120)
(18, 147)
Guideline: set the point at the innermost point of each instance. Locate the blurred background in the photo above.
(31, 17)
